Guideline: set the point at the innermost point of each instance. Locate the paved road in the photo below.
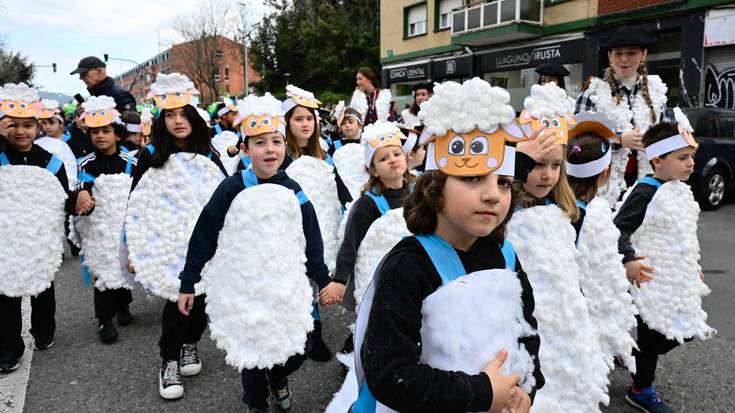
(81, 375)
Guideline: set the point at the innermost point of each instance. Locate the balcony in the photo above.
(502, 19)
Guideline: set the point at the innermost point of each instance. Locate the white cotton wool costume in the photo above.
(350, 163)
(220, 143)
(258, 296)
(450, 340)
(348, 392)
(64, 152)
(604, 284)
(359, 102)
(383, 234)
(162, 212)
(100, 232)
(570, 356)
(316, 179)
(30, 254)
(672, 302)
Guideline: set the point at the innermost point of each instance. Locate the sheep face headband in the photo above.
(547, 107)
(19, 101)
(230, 106)
(598, 124)
(100, 111)
(299, 97)
(257, 115)
(467, 128)
(380, 135)
(172, 91)
(50, 110)
(676, 142)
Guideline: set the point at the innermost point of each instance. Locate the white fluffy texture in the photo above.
(378, 129)
(146, 115)
(223, 141)
(173, 83)
(204, 114)
(382, 235)
(570, 355)
(359, 102)
(382, 104)
(605, 287)
(616, 182)
(253, 105)
(350, 163)
(64, 152)
(339, 109)
(18, 91)
(101, 231)
(258, 296)
(343, 223)
(293, 90)
(546, 100)
(30, 253)
(98, 104)
(50, 104)
(450, 340)
(348, 392)
(462, 108)
(316, 179)
(162, 212)
(682, 120)
(672, 303)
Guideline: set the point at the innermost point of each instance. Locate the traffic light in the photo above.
(53, 66)
(106, 57)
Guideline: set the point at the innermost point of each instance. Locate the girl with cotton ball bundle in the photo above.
(260, 308)
(32, 252)
(658, 240)
(175, 176)
(105, 176)
(602, 278)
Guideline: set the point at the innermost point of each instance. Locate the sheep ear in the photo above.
(525, 116)
(514, 132)
(526, 128)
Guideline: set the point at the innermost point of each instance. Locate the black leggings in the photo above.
(43, 322)
(651, 344)
(106, 303)
(178, 329)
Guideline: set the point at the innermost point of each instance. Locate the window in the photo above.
(218, 54)
(727, 127)
(706, 125)
(217, 76)
(227, 73)
(416, 20)
(445, 12)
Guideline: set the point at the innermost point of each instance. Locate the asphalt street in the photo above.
(79, 374)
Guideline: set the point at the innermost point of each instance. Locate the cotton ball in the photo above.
(359, 102)
(30, 254)
(253, 105)
(350, 163)
(546, 100)
(260, 309)
(62, 150)
(220, 143)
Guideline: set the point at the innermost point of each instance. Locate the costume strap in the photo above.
(54, 164)
(4, 159)
(443, 256)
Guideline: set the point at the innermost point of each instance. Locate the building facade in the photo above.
(220, 58)
(503, 41)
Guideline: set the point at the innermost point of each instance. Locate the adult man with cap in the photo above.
(92, 71)
(421, 93)
(552, 72)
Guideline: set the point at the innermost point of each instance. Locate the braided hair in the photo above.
(609, 77)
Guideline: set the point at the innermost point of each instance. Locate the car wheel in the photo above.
(713, 190)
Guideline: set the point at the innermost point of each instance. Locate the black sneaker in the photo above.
(254, 410)
(319, 351)
(281, 396)
(190, 363)
(41, 345)
(170, 386)
(107, 331)
(6, 366)
(124, 318)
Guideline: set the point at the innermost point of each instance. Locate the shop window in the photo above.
(415, 17)
(445, 12)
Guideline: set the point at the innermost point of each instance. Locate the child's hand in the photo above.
(632, 139)
(85, 202)
(701, 275)
(232, 150)
(129, 266)
(540, 144)
(638, 272)
(519, 403)
(504, 387)
(186, 301)
(333, 293)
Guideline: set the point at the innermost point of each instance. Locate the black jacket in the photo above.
(630, 217)
(391, 349)
(123, 99)
(97, 163)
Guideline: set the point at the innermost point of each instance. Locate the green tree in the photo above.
(14, 67)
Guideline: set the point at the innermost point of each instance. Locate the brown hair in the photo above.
(609, 77)
(426, 201)
(351, 112)
(375, 182)
(659, 132)
(370, 75)
(585, 148)
(313, 147)
(561, 192)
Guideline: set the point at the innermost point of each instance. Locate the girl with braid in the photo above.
(632, 99)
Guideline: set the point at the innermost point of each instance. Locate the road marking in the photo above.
(13, 386)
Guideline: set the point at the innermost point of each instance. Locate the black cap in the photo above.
(427, 86)
(552, 69)
(89, 62)
(628, 36)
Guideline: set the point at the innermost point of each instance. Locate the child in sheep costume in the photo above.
(174, 178)
(30, 254)
(102, 193)
(349, 122)
(658, 240)
(265, 330)
(444, 303)
(52, 121)
(602, 273)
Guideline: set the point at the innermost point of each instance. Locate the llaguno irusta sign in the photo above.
(532, 56)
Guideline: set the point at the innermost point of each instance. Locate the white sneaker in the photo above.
(190, 363)
(170, 386)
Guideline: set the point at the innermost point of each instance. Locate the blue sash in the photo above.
(249, 179)
(649, 180)
(380, 201)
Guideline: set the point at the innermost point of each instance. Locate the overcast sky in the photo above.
(64, 31)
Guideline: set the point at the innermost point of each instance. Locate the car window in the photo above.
(707, 126)
(727, 126)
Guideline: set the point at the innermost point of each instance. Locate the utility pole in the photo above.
(244, 46)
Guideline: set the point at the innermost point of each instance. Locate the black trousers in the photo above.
(106, 303)
(651, 344)
(43, 322)
(178, 329)
(255, 382)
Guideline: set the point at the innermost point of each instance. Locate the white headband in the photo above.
(132, 127)
(223, 111)
(352, 115)
(57, 116)
(665, 146)
(586, 170)
(508, 167)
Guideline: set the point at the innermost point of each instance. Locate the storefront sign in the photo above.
(719, 29)
(407, 73)
(532, 56)
(456, 67)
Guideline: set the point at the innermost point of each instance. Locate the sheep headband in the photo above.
(19, 101)
(676, 142)
(230, 106)
(379, 135)
(597, 124)
(299, 97)
(260, 114)
(50, 109)
(547, 106)
(467, 128)
(100, 111)
(146, 119)
(173, 91)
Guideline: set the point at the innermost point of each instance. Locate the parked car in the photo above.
(714, 162)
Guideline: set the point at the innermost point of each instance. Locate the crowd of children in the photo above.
(490, 260)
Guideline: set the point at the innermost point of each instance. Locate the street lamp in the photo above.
(52, 66)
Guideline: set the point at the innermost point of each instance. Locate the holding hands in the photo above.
(333, 293)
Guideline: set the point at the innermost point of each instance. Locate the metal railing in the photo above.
(497, 13)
